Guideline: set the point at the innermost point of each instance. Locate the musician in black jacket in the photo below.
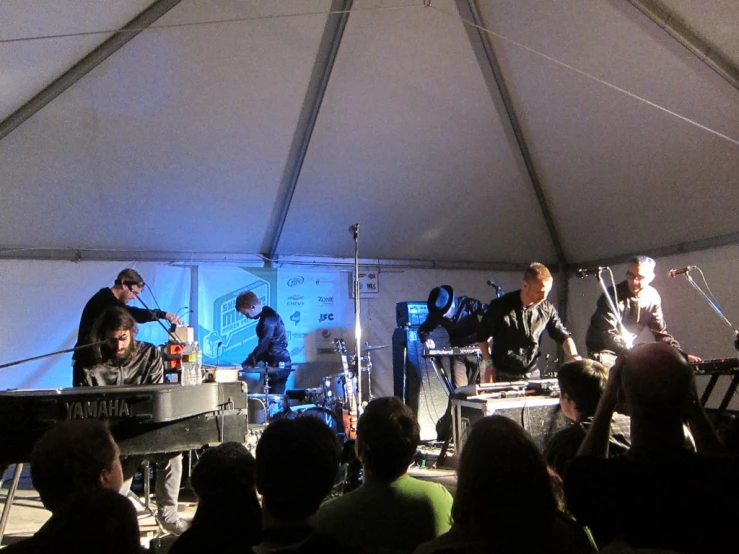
(128, 284)
(516, 322)
(126, 361)
(272, 339)
(460, 317)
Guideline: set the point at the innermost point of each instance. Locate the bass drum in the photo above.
(311, 410)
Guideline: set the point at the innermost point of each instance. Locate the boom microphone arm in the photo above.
(159, 321)
(75, 349)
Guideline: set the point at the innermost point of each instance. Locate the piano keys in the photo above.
(451, 351)
(717, 366)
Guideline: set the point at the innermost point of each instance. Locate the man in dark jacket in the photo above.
(271, 336)
(126, 361)
(516, 322)
(639, 306)
(459, 316)
(128, 284)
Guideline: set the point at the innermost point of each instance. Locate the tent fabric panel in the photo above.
(410, 144)
(166, 142)
(27, 67)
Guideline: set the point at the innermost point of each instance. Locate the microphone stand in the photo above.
(357, 322)
(153, 315)
(82, 347)
(612, 305)
(713, 304)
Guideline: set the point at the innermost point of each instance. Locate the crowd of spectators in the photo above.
(607, 482)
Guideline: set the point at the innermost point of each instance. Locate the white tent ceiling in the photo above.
(237, 127)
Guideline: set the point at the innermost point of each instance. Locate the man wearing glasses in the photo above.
(126, 287)
(639, 306)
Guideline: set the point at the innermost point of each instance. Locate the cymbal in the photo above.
(268, 370)
(371, 348)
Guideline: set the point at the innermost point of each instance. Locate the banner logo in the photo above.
(295, 281)
(325, 317)
(295, 318)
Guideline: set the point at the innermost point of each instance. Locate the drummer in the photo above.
(272, 340)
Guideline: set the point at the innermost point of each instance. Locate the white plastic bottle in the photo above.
(186, 365)
(197, 364)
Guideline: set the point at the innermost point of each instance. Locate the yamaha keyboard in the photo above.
(451, 351)
(144, 419)
(717, 366)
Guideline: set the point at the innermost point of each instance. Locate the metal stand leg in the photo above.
(147, 484)
(10, 498)
(439, 369)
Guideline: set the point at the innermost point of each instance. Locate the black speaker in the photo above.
(540, 416)
(416, 381)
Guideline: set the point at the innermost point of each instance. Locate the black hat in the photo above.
(440, 300)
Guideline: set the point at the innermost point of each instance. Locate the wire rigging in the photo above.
(423, 4)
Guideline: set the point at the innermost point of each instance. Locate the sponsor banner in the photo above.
(225, 335)
(314, 305)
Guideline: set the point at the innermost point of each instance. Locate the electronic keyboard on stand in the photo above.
(144, 419)
(716, 366)
(451, 351)
(720, 371)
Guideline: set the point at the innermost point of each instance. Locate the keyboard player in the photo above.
(126, 361)
(460, 317)
(516, 322)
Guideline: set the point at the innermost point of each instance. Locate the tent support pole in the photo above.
(324, 64)
(86, 64)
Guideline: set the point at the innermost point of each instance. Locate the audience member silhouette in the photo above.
(228, 517)
(75, 468)
(581, 385)
(297, 464)
(391, 512)
(505, 502)
(661, 494)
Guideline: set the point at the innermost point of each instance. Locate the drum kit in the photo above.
(325, 402)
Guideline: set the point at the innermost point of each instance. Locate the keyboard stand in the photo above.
(11, 496)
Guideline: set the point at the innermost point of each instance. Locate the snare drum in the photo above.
(306, 396)
(315, 396)
(261, 405)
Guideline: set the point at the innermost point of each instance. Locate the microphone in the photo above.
(588, 271)
(675, 272)
(498, 289)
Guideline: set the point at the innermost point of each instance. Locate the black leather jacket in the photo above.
(272, 347)
(461, 326)
(144, 366)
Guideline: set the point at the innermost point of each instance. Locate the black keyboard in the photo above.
(452, 351)
(144, 419)
(717, 366)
